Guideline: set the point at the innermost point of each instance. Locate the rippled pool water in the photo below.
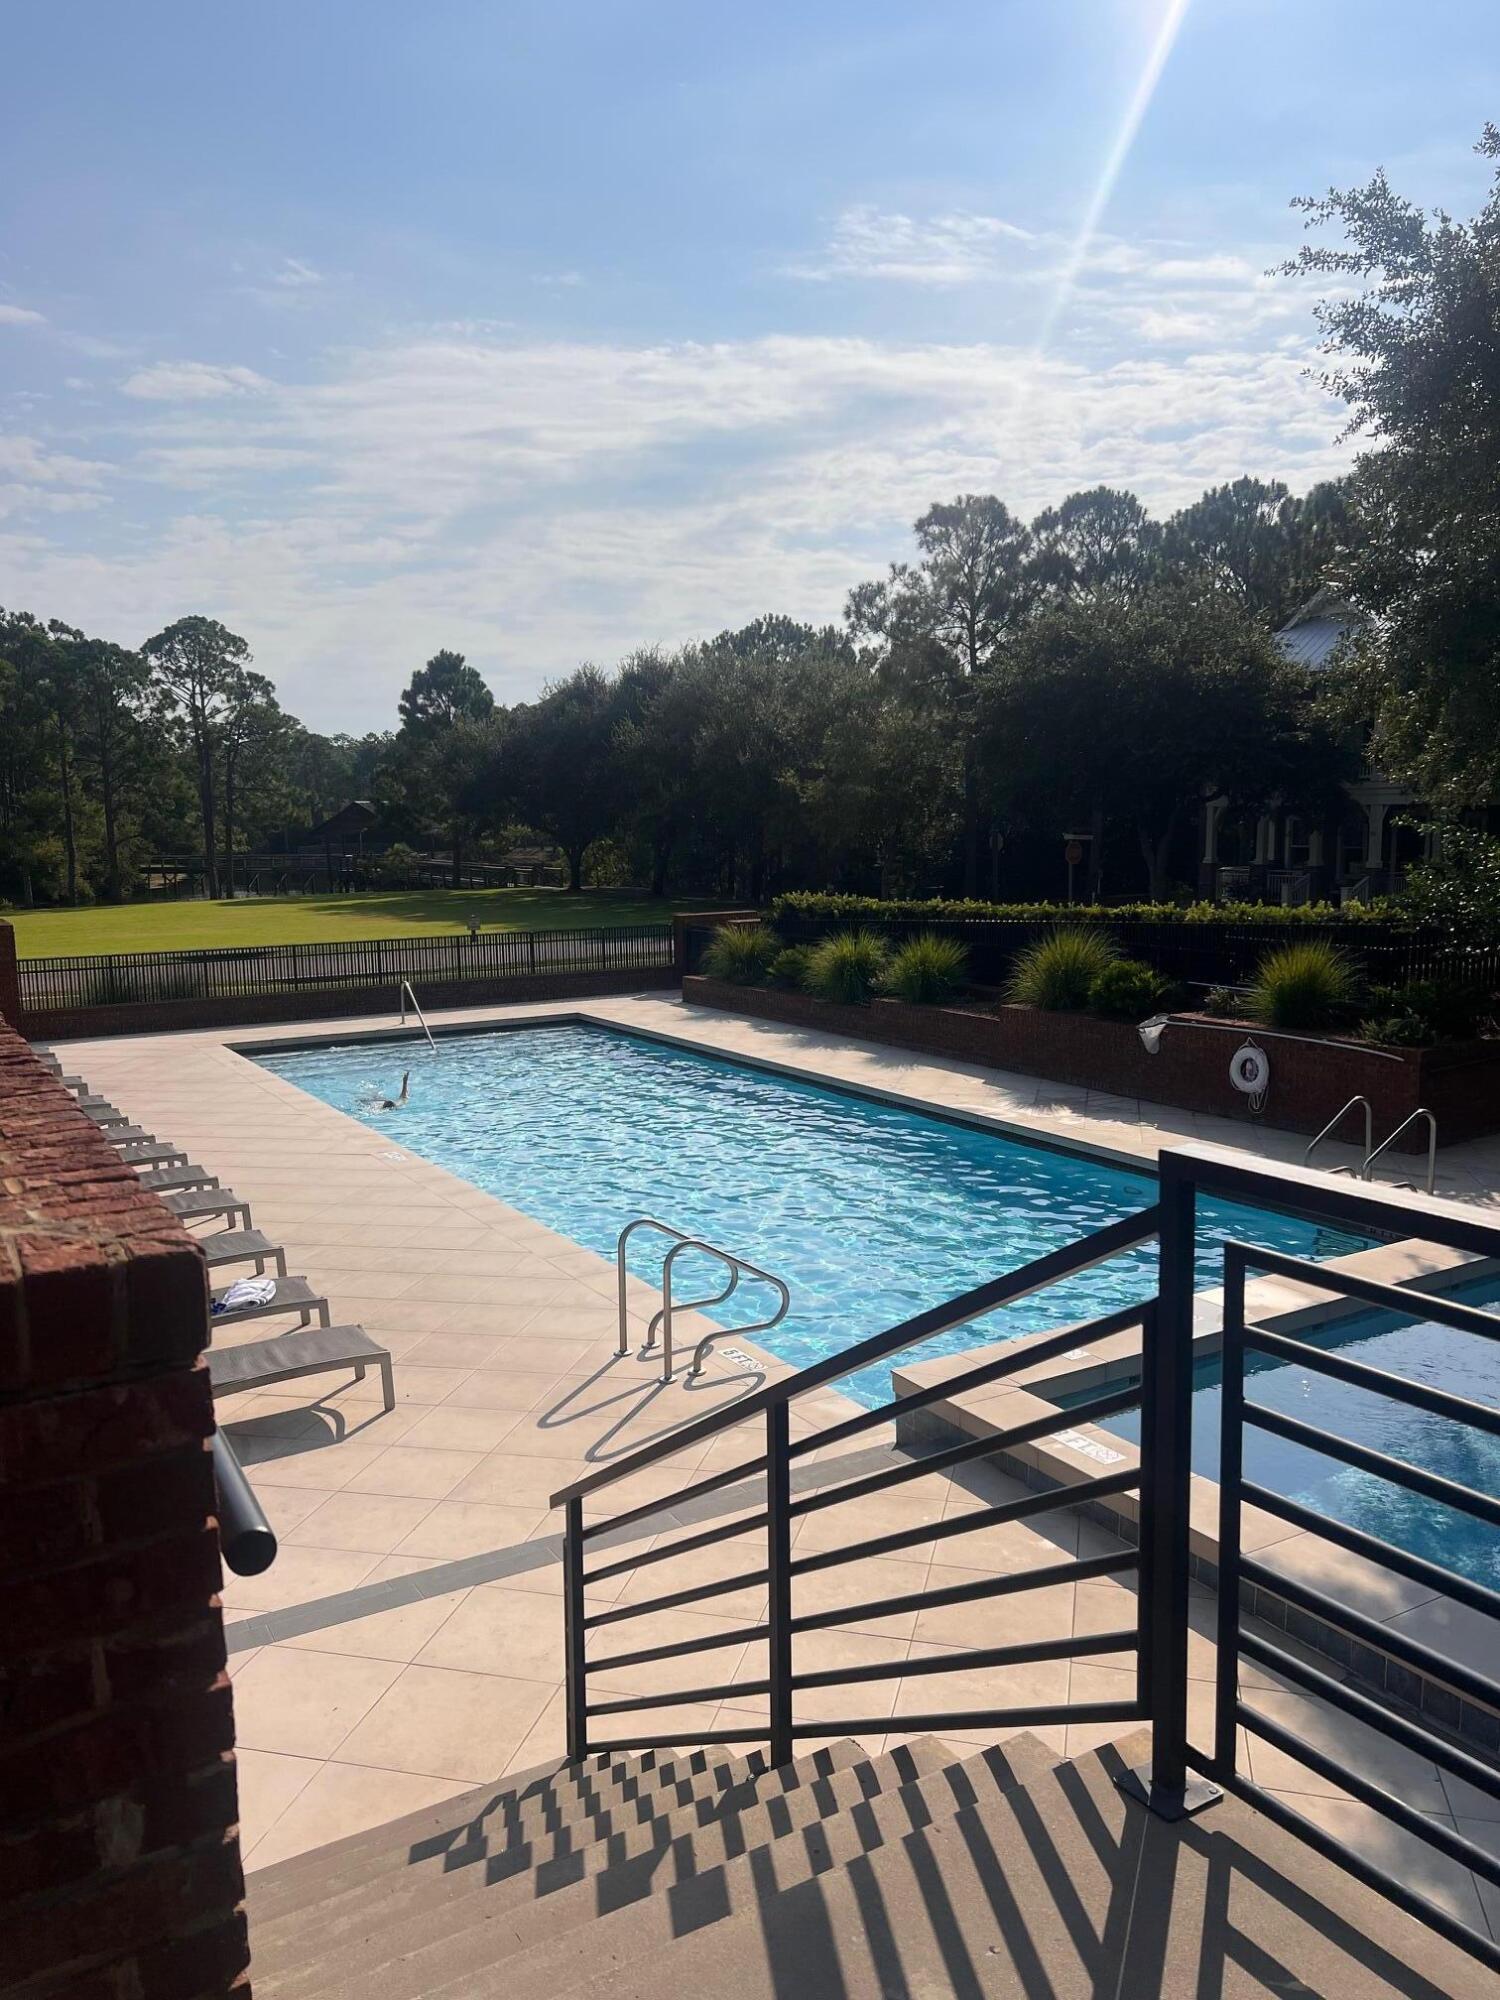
(869, 1212)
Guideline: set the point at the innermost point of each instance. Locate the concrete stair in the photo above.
(1009, 1871)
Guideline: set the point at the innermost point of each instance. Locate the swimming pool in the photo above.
(1465, 1364)
(869, 1212)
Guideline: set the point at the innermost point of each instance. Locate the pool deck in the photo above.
(406, 1645)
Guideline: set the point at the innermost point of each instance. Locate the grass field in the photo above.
(190, 926)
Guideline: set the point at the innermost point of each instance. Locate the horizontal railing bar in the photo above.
(1070, 1258)
(625, 1746)
(1312, 1195)
(712, 1484)
(1380, 1463)
(722, 1531)
(1009, 1583)
(1024, 1509)
(1066, 1648)
(674, 1598)
(727, 1692)
(740, 1635)
(1370, 1632)
(976, 1378)
(1416, 1568)
(960, 1454)
(1477, 1859)
(1379, 1381)
(1422, 1908)
(1369, 1291)
(1339, 1694)
(977, 1718)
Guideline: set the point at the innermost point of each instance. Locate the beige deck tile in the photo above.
(373, 1521)
(497, 1630)
(448, 1427)
(305, 1703)
(1043, 1613)
(1400, 1854)
(297, 1576)
(464, 1528)
(855, 1583)
(398, 1634)
(418, 1473)
(1349, 1742)
(715, 1666)
(446, 1724)
(966, 1688)
(267, 1781)
(342, 1799)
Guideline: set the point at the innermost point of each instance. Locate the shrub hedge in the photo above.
(811, 905)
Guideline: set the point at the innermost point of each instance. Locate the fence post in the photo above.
(573, 1635)
(1166, 1492)
(779, 1572)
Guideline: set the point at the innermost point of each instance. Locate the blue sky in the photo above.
(546, 331)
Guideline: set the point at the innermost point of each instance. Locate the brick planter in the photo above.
(1310, 1079)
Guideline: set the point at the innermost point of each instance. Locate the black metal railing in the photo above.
(247, 1540)
(1200, 1170)
(776, 1508)
(127, 978)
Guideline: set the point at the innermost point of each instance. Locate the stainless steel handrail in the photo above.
(1338, 1119)
(407, 994)
(737, 1267)
(1391, 1138)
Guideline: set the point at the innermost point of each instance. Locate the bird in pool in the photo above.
(395, 1103)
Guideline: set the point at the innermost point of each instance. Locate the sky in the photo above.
(548, 331)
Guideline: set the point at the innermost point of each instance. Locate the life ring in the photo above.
(1250, 1069)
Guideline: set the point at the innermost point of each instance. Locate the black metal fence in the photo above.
(145, 978)
(1203, 954)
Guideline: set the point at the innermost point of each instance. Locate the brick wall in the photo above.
(161, 1016)
(1310, 1080)
(120, 1873)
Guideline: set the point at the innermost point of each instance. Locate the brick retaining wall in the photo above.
(1310, 1080)
(120, 1873)
(162, 1016)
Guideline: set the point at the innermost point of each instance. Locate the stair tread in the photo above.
(1066, 1888)
(538, 1945)
(550, 1795)
(356, 1931)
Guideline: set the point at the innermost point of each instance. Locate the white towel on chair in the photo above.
(246, 1292)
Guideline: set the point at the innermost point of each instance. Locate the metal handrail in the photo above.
(737, 1267)
(1391, 1138)
(407, 994)
(1338, 1119)
(247, 1540)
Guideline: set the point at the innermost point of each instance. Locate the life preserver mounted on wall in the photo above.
(1250, 1072)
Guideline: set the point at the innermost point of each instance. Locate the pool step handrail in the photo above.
(1335, 1121)
(736, 1267)
(407, 994)
(1367, 1171)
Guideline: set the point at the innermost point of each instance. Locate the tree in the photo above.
(1136, 712)
(1413, 335)
(194, 662)
(1096, 545)
(561, 771)
(445, 691)
(945, 620)
(252, 725)
(111, 688)
(1254, 540)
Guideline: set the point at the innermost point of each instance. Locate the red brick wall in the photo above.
(1310, 1080)
(162, 1015)
(10, 985)
(120, 1873)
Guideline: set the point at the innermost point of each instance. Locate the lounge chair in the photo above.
(241, 1246)
(164, 1180)
(102, 1113)
(255, 1364)
(128, 1135)
(203, 1204)
(153, 1156)
(291, 1295)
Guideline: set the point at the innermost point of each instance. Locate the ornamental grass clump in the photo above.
(926, 970)
(1057, 973)
(847, 967)
(1310, 984)
(741, 953)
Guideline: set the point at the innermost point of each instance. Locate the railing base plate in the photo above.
(1193, 1797)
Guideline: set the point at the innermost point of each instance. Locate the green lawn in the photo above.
(190, 926)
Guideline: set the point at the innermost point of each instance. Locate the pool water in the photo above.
(869, 1212)
(1465, 1364)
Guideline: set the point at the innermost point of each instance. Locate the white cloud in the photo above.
(954, 249)
(296, 274)
(191, 382)
(20, 316)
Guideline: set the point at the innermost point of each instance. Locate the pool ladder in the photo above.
(407, 994)
(681, 1242)
(1372, 1151)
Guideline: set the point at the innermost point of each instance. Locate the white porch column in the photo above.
(1375, 837)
